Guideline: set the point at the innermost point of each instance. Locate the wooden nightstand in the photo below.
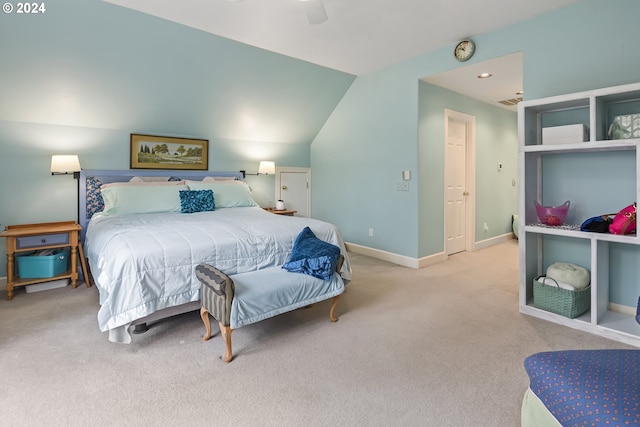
(286, 212)
(29, 237)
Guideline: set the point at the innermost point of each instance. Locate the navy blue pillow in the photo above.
(308, 246)
(196, 201)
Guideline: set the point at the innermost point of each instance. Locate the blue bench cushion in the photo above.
(268, 292)
(588, 387)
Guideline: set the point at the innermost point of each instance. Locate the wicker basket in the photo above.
(561, 301)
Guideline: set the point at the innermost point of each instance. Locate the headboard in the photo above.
(89, 194)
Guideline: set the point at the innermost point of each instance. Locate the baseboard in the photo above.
(622, 309)
(418, 263)
(492, 241)
(382, 255)
(402, 260)
(3, 282)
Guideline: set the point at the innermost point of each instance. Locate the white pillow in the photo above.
(143, 183)
(136, 199)
(227, 179)
(150, 179)
(225, 195)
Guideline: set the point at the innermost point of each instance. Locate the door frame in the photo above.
(470, 172)
(280, 169)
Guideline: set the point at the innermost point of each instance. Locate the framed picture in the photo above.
(166, 152)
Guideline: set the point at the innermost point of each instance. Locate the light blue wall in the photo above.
(496, 142)
(373, 134)
(81, 77)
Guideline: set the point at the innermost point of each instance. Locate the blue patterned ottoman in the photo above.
(588, 387)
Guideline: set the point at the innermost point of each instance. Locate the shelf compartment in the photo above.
(624, 327)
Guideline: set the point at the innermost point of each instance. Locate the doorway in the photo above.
(293, 186)
(459, 172)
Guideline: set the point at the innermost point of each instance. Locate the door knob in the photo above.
(284, 187)
(466, 193)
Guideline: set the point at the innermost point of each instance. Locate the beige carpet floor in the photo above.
(440, 346)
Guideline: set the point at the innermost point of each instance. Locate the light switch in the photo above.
(406, 175)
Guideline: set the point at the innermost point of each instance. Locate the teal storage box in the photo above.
(32, 265)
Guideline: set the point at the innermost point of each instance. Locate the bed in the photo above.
(143, 239)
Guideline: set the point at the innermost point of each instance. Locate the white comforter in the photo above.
(144, 263)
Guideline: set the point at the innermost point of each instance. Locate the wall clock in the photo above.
(464, 50)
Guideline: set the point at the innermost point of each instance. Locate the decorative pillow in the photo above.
(226, 195)
(95, 203)
(308, 247)
(196, 201)
(136, 199)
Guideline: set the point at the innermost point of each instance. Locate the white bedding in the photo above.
(145, 263)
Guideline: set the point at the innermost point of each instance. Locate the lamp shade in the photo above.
(267, 168)
(65, 164)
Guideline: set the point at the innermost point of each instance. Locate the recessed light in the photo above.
(484, 75)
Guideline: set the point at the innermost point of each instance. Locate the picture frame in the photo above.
(167, 152)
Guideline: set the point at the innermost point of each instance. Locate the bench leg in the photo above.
(332, 311)
(204, 314)
(226, 334)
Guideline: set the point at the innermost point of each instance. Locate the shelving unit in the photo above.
(598, 176)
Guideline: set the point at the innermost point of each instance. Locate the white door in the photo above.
(459, 131)
(293, 186)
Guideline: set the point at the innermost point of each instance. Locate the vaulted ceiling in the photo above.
(358, 36)
(361, 36)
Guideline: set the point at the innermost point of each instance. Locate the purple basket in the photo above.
(552, 215)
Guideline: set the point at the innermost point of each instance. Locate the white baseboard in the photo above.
(383, 255)
(405, 261)
(3, 282)
(492, 241)
(418, 263)
(623, 309)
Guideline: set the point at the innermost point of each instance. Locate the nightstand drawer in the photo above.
(42, 240)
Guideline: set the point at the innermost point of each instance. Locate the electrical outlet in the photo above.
(371, 232)
(486, 227)
(402, 186)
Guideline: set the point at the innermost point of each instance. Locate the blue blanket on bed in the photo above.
(588, 387)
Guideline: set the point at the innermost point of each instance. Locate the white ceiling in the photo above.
(503, 85)
(359, 36)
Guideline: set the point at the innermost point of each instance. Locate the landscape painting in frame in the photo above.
(166, 152)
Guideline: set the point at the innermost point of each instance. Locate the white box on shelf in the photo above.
(568, 134)
(45, 286)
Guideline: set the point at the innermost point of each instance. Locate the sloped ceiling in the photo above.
(358, 37)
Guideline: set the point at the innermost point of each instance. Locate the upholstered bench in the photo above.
(245, 298)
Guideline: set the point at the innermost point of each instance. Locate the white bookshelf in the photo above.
(607, 183)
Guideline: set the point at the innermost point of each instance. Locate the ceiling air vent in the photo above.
(512, 101)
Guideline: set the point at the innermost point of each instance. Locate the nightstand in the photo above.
(29, 237)
(286, 212)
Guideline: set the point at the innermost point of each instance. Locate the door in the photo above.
(293, 186)
(459, 134)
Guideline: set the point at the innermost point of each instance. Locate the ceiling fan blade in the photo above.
(315, 11)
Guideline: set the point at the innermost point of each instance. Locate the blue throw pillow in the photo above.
(192, 201)
(308, 256)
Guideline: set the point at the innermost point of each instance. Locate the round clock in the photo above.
(464, 50)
